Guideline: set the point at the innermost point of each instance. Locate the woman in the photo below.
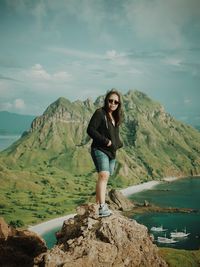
(103, 128)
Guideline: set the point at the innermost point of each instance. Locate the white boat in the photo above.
(177, 234)
(158, 229)
(166, 240)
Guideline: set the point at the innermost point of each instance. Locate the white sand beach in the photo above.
(138, 188)
(171, 178)
(57, 222)
(146, 186)
(49, 225)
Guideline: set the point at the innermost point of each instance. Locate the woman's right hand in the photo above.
(109, 143)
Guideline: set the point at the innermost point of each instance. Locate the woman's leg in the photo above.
(102, 164)
(101, 186)
(102, 181)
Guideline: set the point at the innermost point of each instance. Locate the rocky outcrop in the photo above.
(19, 247)
(87, 240)
(117, 201)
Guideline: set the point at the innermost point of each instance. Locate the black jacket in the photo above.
(101, 130)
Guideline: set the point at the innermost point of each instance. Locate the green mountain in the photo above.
(49, 170)
(12, 123)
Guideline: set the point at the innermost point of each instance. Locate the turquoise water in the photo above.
(50, 237)
(181, 193)
(7, 140)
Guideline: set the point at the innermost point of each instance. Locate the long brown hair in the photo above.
(118, 113)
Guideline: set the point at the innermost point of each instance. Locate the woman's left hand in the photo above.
(109, 143)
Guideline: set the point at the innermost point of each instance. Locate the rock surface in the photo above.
(19, 247)
(117, 200)
(87, 240)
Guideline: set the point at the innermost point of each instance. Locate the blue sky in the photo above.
(80, 49)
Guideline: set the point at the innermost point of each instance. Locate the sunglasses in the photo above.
(112, 101)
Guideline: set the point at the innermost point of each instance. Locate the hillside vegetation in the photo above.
(180, 257)
(49, 170)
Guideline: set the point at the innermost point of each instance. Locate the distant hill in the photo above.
(12, 123)
(49, 170)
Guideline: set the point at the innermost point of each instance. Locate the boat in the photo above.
(158, 229)
(166, 240)
(177, 234)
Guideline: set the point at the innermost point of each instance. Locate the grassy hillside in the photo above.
(180, 258)
(49, 170)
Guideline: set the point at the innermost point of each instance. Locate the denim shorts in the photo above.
(102, 162)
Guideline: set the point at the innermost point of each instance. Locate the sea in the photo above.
(7, 140)
(182, 193)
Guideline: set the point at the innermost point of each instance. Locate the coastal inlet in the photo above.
(182, 193)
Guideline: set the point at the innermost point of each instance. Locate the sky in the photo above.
(80, 49)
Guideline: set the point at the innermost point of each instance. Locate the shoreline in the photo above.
(44, 227)
(138, 188)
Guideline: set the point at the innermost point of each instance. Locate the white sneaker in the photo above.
(104, 210)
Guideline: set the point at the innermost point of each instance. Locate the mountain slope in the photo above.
(49, 169)
(163, 145)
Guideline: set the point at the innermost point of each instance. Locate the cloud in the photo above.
(7, 90)
(89, 11)
(135, 71)
(173, 61)
(6, 106)
(75, 53)
(110, 75)
(2, 77)
(92, 18)
(183, 64)
(17, 105)
(61, 76)
(92, 15)
(116, 58)
(39, 11)
(187, 101)
(193, 67)
(160, 21)
(113, 54)
(38, 74)
(163, 22)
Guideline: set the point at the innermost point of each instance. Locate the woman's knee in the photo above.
(103, 176)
